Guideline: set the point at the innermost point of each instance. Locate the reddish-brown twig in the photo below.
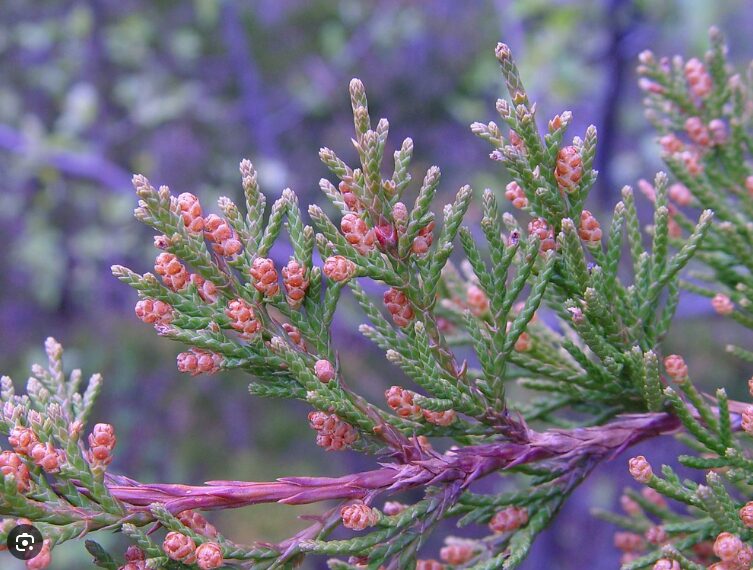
(465, 465)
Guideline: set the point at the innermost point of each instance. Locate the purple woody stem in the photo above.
(462, 466)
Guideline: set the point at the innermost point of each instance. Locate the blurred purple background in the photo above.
(92, 91)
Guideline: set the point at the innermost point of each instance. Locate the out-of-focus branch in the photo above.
(89, 166)
(253, 100)
(616, 61)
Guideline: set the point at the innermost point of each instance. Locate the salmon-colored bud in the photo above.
(692, 162)
(264, 276)
(12, 464)
(162, 242)
(746, 514)
(676, 368)
(349, 197)
(443, 418)
(555, 123)
(199, 361)
(699, 80)
(515, 194)
(99, 457)
(197, 523)
(22, 440)
(179, 547)
(324, 370)
(206, 289)
(744, 557)
(718, 131)
(333, 433)
(509, 519)
(392, 508)
(401, 401)
(294, 335)
(654, 497)
(478, 302)
(746, 419)
(727, 546)
(216, 229)
(540, 228)
(209, 556)
(42, 559)
(456, 554)
(629, 541)
(222, 236)
(640, 469)
(102, 441)
(359, 516)
(569, 169)
(649, 86)
(424, 239)
(399, 307)
(386, 234)
(190, 211)
(524, 343)
(134, 554)
(173, 272)
(48, 457)
(242, 317)
(400, 213)
(674, 229)
(697, 131)
(152, 311)
(657, 535)
(295, 282)
(630, 507)
(722, 304)
(647, 189)
(589, 229)
(670, 144)
(517, 142)
(680, 194)
(338, 268)
(357, 233)
(103, 435)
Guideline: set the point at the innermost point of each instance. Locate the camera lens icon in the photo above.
(24, 541)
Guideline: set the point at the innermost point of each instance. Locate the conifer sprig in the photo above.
(549, 300)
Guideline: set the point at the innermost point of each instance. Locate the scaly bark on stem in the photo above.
(465, 465)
